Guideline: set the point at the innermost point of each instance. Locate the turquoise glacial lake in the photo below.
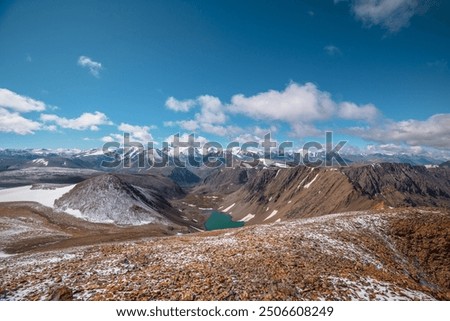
(219, 220)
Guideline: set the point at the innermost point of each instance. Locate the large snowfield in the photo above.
(44, 196)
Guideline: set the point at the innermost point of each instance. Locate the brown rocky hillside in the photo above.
(270, 195)
(401, 254)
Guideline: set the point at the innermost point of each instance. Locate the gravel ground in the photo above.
(390, 255)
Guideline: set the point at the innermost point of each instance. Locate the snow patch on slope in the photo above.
(3, 255)
(247, 218)
(41, 161)
(274, 212)
(27, 193)
(229, 207)
(309, 184)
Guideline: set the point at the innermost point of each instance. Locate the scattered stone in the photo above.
(62, 293)
(348, 256)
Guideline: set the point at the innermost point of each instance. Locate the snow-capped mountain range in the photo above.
(11, 159)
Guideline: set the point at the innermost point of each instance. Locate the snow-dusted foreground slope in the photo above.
(396, 255)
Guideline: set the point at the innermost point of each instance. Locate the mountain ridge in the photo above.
(270, 195)
(110, 199)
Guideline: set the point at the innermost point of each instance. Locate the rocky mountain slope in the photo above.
(402, 184)
(30, 227)
(111, 199)
(270, 195)
(225, 180)
(398, 254)
(180, 175)
(39, 175)
(445, 164)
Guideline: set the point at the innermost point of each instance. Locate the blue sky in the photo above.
(74, 74)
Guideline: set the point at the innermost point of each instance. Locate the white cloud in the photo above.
(179, 105)
(332, 50)
(432, 132)
(50, 128)
(296, 103)
(86, 121)
(394, 149)
(93, 66)
(258, 131)
(16, 102)
(209, 119)
(255, 134)
(137, 133)
(109, 139)
(189, 125)
(349, 110)
(221, 130)
(212, 110)
(248, 137)
(140, 134)
(13, 122)
(185, 137)
(170, 123)
(218, 130)
(300, 129)
(389, 14)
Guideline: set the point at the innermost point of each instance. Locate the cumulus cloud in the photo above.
(298, 105)
(189, 125)
(86, 121)
(394, 149)
(94, 67)
(255, 134)
(16, 102)
(112, 138)
(185, 137)
(137, 133)
(304, 103)
(332, 50)
(140, 134)
(258, 131)
(179, 105)
(212, 110)
(392, 15)
(300, 129)
(13, 122)
(349, 110)
(390, 149)
(220, 130)
(432, 132)
(209, 119)
(194, 125)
